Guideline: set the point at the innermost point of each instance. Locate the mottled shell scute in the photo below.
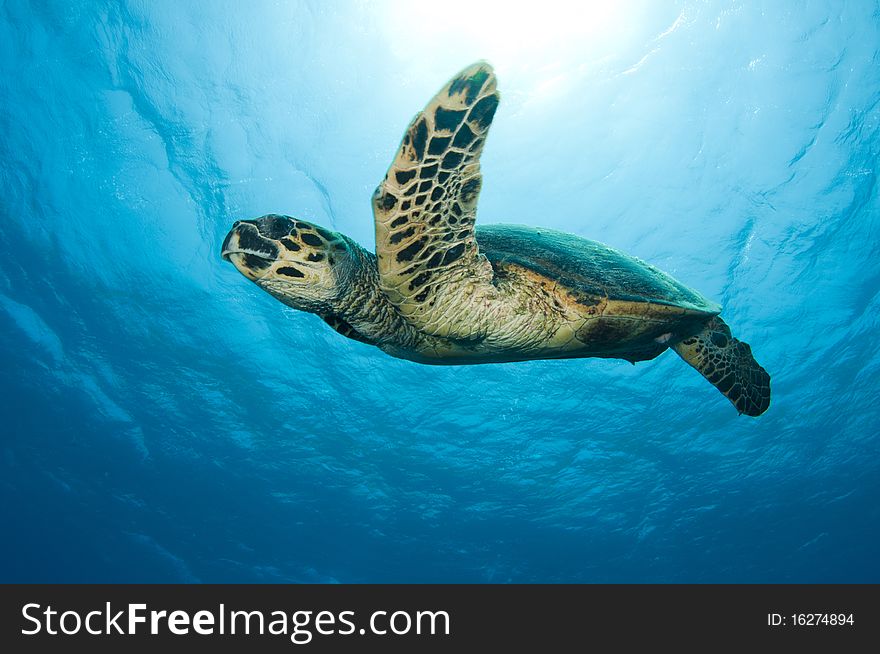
(586, 266)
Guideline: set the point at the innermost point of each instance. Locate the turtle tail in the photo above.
(729, 366)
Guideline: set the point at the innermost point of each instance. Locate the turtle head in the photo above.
(301, 264)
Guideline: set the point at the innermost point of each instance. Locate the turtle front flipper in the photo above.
(729, 366)
(425, 207)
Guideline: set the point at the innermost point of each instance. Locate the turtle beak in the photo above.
(246, 249)
(226, 248)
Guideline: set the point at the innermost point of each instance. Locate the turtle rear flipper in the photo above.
(729, 366)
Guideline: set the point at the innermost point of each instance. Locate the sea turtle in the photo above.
(440, 291)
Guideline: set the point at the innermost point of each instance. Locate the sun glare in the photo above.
(520, 37)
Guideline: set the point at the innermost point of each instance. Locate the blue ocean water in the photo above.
(165, 420)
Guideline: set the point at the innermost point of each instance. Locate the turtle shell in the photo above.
(586, 266)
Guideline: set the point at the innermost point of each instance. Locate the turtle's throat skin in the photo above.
(362, 304)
